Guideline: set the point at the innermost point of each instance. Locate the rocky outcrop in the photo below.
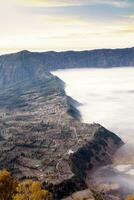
(96, 153)
(66, 187)
(86, 194)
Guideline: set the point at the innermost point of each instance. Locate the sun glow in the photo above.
(65, 25)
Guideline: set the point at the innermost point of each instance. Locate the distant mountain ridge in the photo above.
(32, 65)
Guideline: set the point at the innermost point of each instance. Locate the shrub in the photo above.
(131, 197)
(11, 189)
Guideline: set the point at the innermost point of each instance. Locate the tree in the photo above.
(7, 185)
(131, 197)
(30, 190)
(11, 189)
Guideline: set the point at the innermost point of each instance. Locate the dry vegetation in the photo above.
(11, 189)
(131, 197)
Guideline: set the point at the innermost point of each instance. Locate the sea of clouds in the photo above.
(107, 97)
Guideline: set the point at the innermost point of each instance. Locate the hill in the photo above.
(25, 64)
(41, 133)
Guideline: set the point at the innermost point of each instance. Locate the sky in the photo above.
(60, 25)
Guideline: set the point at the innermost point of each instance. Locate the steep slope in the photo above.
(25, 64)
(41, 134)
(37, 123)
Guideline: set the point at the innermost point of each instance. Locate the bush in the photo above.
(7, 185)
(131, 197)
(29, 190)
(11, 189)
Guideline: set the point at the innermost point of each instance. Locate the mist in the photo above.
(107, 98)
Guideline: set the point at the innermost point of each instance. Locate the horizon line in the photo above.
(62, 51)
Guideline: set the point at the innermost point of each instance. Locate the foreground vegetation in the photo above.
(11, 189)
(131, 197)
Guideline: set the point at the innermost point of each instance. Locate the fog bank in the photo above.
(107, 96)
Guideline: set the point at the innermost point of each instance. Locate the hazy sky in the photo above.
(65, 24)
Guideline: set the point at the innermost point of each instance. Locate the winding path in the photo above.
(69, 151)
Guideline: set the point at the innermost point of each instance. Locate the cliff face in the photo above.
(24, 65)
(96, 153)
